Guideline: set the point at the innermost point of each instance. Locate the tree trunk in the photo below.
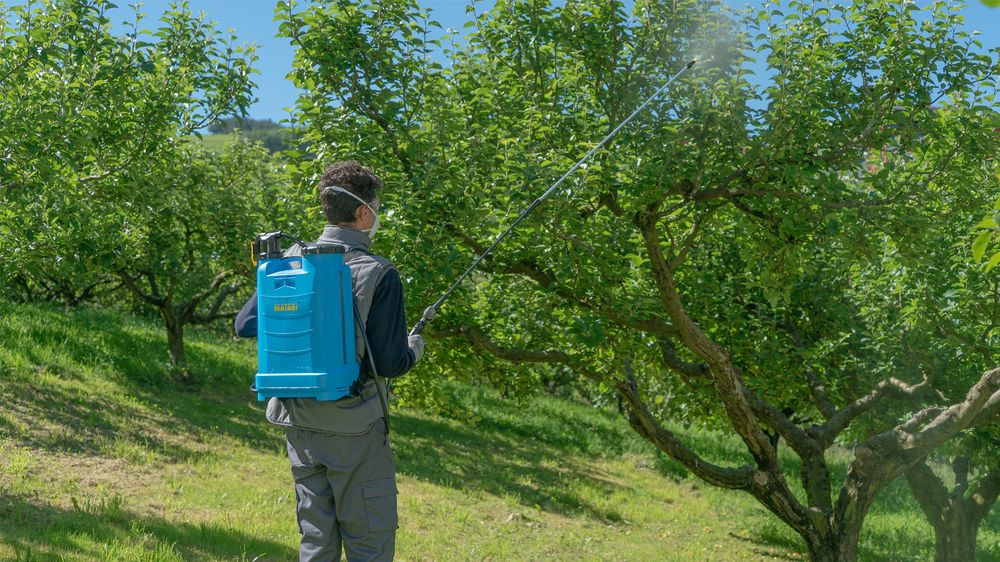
(840, 545)
(867, 475)
(955, 533)
(823, 553)
(954, 517)
(175, 346)
(823, 550)
(848, 538)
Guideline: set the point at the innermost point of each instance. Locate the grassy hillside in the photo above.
(100, 460)
(216, 142)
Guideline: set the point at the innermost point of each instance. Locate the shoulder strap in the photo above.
(350, 255)
(371, 361)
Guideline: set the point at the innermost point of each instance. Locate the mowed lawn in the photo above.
(100, 459)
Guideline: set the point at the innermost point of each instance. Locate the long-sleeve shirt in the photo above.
(385, 328)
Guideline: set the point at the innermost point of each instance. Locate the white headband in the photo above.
(344, 190)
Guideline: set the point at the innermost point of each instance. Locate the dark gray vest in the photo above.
(353, 414)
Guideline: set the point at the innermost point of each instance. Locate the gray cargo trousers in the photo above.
(345, 494)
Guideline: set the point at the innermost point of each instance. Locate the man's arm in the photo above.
(387, 329)
(246, 320)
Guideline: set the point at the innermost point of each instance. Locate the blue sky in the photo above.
(253, 21)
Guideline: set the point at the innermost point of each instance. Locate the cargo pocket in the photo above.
(380, 503)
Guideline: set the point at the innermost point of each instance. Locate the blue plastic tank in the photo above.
(305, 346)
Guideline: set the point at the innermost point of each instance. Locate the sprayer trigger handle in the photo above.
(429, 313)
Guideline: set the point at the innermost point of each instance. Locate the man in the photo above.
(345, 487)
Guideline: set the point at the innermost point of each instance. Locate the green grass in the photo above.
(100, 459)
(216, 142)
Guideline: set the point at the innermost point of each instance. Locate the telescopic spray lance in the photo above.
(431, 311)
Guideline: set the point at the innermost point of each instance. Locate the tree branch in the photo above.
(527, 268)
(547, 280)
(947, 328)
(912, 442)
(140, 149)
(814, 474)
(686, 245)
(188, 308)
(817, 386)
(957, 417)
(985, 494)
(844, 416)
(213, 313)
(478, 339)
(131, 283)
(990, 413)
(927, 489)
(154, 289)
(689, 370)
(646, 425)
(725, 376)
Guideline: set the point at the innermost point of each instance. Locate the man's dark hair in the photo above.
(352, 176)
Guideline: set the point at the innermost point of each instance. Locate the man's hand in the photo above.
(416, 346)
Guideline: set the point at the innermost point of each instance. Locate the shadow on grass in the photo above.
(129, 350)
(567, 427)
(87, 348)
(67, 419)
(116, 532)
(495, 463)
(778, 541)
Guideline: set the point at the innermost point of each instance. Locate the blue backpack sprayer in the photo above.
(305, 346)
(306, 318)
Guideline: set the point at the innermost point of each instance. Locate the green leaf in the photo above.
(993, 262)
(988, 222)
(980, 243)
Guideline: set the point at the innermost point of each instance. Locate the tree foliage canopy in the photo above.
(101, 182)
(88, 116)
(743, 251)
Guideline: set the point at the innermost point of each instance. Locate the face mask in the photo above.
(371, 231)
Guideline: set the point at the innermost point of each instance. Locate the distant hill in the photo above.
(275, 140)
(246, 125)
(273, 136)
